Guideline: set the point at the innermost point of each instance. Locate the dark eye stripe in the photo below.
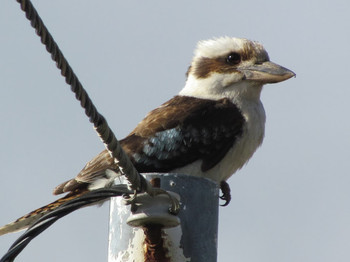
(205, 66)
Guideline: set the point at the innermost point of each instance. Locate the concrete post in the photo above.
(194, 240)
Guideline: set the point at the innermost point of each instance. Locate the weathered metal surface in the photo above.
(194, 240)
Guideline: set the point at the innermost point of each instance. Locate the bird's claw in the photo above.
(226, 193)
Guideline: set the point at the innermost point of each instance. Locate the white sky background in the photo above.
(290, 203)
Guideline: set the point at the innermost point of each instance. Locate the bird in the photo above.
(210, 129)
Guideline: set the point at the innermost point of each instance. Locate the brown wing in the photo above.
(183, 130)
(179, 132)
(97, 166)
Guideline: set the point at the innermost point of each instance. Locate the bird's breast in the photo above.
(241, 151)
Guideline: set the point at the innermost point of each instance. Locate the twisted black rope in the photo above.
(47, 220)
(137, 182)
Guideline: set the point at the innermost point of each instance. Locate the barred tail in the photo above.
(28, 219)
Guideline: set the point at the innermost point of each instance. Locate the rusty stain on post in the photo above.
(154, 245)
(155, 182)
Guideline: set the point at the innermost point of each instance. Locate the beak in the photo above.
(267, 72)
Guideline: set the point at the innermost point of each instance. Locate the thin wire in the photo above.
(127, 168)
(47, 220)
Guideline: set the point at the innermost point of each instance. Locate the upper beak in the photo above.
(267, 72)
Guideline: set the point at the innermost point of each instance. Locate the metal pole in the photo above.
(194, 240)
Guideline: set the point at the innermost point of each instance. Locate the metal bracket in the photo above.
(151, 210)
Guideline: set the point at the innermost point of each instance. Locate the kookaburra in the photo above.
(210, 129)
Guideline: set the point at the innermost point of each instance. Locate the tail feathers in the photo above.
(30, 218)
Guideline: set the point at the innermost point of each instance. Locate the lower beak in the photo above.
(267, 72)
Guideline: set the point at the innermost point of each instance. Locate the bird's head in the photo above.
(232, 68)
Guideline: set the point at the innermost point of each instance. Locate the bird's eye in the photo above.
(233, 58)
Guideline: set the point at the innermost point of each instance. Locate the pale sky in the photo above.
(290, 203)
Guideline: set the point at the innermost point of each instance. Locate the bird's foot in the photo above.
(226, 193)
